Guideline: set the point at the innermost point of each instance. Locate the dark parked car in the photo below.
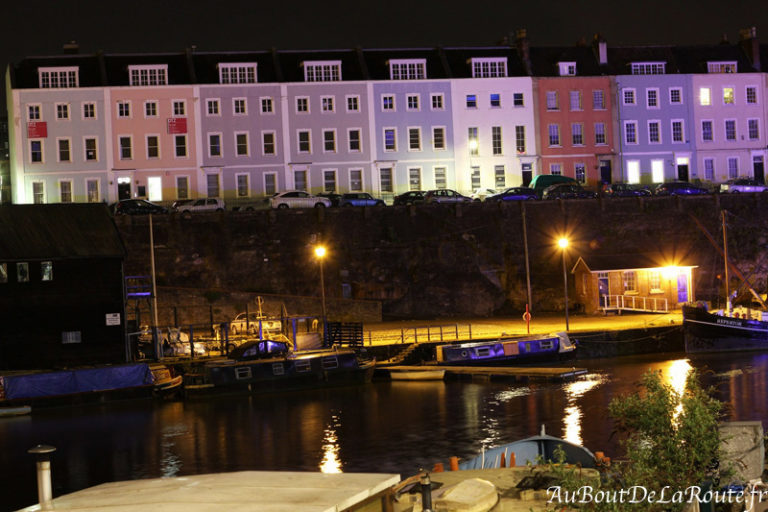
(567, 191)
(409, 198)
(137, 207)
(445, 195)
(679, 188)
(514, 194)
(334, 198)
(360, 199)
(626, 190)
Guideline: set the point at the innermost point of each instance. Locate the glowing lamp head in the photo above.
(473, 145)
(563, 243)
(320, 251)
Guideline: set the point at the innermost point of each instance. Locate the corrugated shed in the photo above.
(58, 231)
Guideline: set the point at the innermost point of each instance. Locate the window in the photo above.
(517, 99)
(489, 67)
(678, 134)
(496, 143)
(709, 169)
(471, 101)
(33, 112)
(22, 272)
(123, 109)
(89, 110)
(300, 180)
(414, 139)
(705, 96)
(268, 143)
(567, 68)
(751, 94)
(654, 132)
(600, 134)
(575, 100)
(475, 177)
(437, 101)
(390, 139)
(407, 69)
(304, 141)
(706, 131)
(329, 141)
(630, 281)
(733, 167)
(385, 179)
(212, 107)
(654, 280)
(552, 100)
(38, 192)
(652, 98)
(65, 191)
(153, 146)
(657, 171)
(182, 187)
(438, 137)
(329, 181)
(36, 151)
(721, 67)
(495, 99)
(212, 185)
(241, 144)
(753, 127)
(326, 103)
(179, 108)
(239, 106)
(633, 171)
(648, 68)
(730, 129)
(354, 141)
(580, 171)
(556, 169)
(62, 111)
(441, 180)
(598, 100)
(64, 150)
(237, 73)
(148, 75)
(92, 190)
(126, 145)
(270, 184)
(520, 138)
(472, 141)
(243, 190)
(676, 95)
(412, 102)
(630, 132)
(728, 97)
(355, 180)
(58, 77)
(302, 105)
(267, 106)
(499, 177)
(388, 102)
(577, 134)
(322, 71)
(628, 96)
(150, 109)
(353, 103)
(214, 144)
(554, 134)
(180, 142)
(91, 153)
(414, 178)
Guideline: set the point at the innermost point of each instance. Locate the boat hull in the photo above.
(708, 332)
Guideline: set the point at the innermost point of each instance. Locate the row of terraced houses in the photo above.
(244, 125)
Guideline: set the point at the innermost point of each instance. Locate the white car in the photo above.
(298, 199)
(240, 326)
(742, 185)
(481, 193)
(209, 204)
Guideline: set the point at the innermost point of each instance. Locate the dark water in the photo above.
(395, 427)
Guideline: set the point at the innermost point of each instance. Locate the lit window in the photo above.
(46, 271)
(728, 95)
(58, 78)
(705, 97)
(630, 281)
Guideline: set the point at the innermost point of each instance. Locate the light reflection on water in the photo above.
(331, 462)
(573, 415)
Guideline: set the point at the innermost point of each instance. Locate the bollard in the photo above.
(512, 460)
(438, 467)
(503, 462)
(44, 494)
(454, 463)
(426, 493)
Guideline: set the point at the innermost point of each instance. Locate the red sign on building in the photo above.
(37, 129)
(177, 125)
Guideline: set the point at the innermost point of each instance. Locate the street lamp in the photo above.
(563, 243)
(320, 254)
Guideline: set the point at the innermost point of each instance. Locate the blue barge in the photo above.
(503, 351)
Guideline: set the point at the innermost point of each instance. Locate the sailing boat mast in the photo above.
(725, 257)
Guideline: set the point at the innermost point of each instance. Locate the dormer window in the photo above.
(489, 67)
(649, 68)
(407, 69)
(58, 78)
(148, 75)
(721, 67)
(237, 73)
(322, 71)
(567, 68)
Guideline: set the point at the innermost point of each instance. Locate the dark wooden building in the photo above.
(62, 297)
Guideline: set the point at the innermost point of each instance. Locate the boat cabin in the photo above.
(640, 282)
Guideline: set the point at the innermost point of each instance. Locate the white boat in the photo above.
(15, 411)
(416, 374)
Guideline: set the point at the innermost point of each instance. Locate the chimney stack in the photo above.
(601, 47)
(523, 49)
(749, 43)
(70, 48)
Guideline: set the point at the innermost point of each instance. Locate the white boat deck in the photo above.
(243, 491)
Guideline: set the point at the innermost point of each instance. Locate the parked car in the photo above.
(137, 207)
(239, 325)
(626, 190)
(742, 185)
(180, 202)
(445, 195)
(481, 194)
(360, 199)
(333, 197)
(514, 194)
(679, 188)
(209, 204)
(567, 191)
(409, 198)
(298, 199)
(542, 181)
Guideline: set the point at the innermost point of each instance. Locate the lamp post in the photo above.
(563, 243)
(320, 254)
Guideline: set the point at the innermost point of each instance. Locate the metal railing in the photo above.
(634, 303)
(421, 334)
